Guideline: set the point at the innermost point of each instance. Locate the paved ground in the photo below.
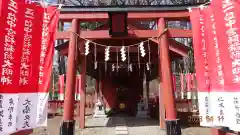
(106, 126)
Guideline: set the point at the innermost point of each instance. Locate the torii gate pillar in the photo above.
(67, 127)
(172, 123)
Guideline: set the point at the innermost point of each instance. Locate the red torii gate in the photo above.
(75, 17)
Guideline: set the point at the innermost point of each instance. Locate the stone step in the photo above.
(121, 130)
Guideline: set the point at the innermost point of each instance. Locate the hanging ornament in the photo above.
(87, 47)
(130, 68)
(95, 65)
(142, 50)
(128, 58)
(95, 57)
(149, 57)
(123, 53)
(113, 67)
(117, 60)
(148, 67)
(107, 53)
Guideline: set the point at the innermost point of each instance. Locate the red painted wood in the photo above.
(118, 23)
(176, 47)
(166, 74)
(179, 33)
(63, 35)
(104, 34)
(71, 75)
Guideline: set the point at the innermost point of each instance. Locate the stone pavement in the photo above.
(107, 126)
(138, 126)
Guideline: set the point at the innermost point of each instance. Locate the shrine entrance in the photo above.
(148, 52)
(123, 100)
(128, 92)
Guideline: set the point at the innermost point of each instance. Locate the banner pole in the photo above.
(68, 124)
(172, 123)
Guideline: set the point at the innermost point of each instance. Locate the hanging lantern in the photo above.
(87, 47)
(107, 53)
(123, 53)
(142, 50)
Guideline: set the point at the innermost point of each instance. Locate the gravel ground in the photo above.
(106, 126)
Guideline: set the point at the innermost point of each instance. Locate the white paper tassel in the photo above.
(87, 47)
(130, 68)
(142, 50)
(95, 65)
(148, 67)
(113, 67)
(107, 53)
(123, 53)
